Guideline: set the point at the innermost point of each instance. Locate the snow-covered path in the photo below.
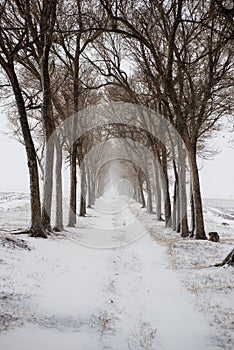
(74, 294)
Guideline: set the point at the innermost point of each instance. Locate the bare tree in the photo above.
(189, 63)
(12, 40)
(78, 26)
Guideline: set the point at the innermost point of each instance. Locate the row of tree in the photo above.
(171, 60)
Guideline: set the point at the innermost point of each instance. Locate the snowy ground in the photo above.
(91, 288)
(212, 288)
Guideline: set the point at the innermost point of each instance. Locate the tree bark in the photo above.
(178, 208)
(149, 200)
(83, 190)
(41, 52)
(142, 197)
(174, 214)
(176, 200)
(93, 189)
(73, 186)
(74, 152)
(36, 219)
(199, 220)
(184, 230)
(158, 193)
(149, 206)
(59, 192)
(48, 187)
(192, 211)
(47, 116)
(165, 181)
(229, 260)
(89, 187)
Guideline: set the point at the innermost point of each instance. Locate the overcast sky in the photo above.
(217, 175)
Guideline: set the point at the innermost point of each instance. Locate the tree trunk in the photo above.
(74, 153)
(158, 193)
(149, 200)
(140, 184)
(199, 220)
(83, 190)
(59, 192)
(73, 186)
(175, 198)
(149, 194)
(138, 197)
(89, 188)
(82, 206)
(47, 116)
(48, 187)
(192, 211)
(93, 189)
(178, 208)
(229, 260)
(184, 230)
(165, 181)
(97, 187)
(36, 219)
(174, 214)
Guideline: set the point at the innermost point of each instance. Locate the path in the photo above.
(74, 297)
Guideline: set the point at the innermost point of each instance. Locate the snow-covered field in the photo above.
(91, 288)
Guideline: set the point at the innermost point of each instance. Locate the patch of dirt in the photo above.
(14, 243)
(8, 320)
(9, 311)
(9, 296)
(142, 337)
(102, 321)
(62, 324)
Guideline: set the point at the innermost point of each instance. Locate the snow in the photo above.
(212, 288)
(9, 200)
(117, 281)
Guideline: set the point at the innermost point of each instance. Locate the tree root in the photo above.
(36, 233)
(58, 229)
(26, 232)
(228, 261)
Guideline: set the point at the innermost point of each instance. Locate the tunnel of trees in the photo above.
(135, 85)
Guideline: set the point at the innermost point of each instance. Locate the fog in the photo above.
(217, 174)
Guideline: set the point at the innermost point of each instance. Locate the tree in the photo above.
(40, 19)
(12, 40)
(228, 261)
(194, 75)
(78, 26)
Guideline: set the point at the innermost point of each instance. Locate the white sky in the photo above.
(217, 175)
(13, 163)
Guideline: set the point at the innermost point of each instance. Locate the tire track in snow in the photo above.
(124, 291)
